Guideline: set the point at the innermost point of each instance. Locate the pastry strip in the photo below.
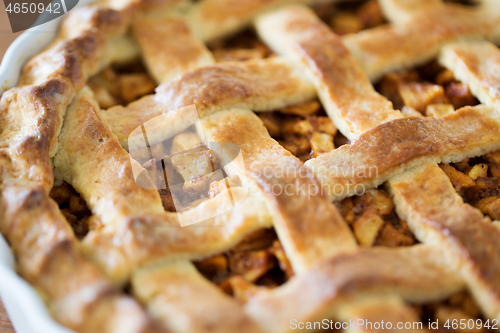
(142, 239)
(413, 273)
(136, 225)
(393, 47)
(262, 85)
(92, 161)
(185, 301)
(211, 19)
(425, 194)
(398, 11)
(74, 289)
(399, 145)
(169, 48)
(294, 195)
(369, 311)
(436, 214)
(136, 236)
(477, 65)
(345, 91)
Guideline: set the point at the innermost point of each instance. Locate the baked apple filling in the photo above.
(429, 90)
(374, 221)
(343, 18)
(307, 132)
(259, 261)
(242, 47)
(187, 174)
(433, 91)
(120, 85)
(304, 129)
(464, 2)
(459, 307)
(256, 263)
(75, 210)
(477, 180)
(351, 16)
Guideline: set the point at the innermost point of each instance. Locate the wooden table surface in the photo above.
(6, 38)
(6, 35)
(5, 325)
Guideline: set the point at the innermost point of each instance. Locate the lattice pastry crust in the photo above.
(51, 124)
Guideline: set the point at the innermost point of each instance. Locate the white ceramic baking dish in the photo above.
(24, 307)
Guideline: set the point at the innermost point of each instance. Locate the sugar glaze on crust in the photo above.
(406, 143)
(482, 115)
(81, 282)
(76, 291)
(342, 86)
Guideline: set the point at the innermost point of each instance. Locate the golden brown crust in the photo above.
(151, 7)
(478, 65)
(72, 59)
(392, 309)
(92, 161)
(81, 47)
(211, 19)
(49, 259)
(295, 197)
(78, 301)
(260, 85)
(414, 273)
(140, 239)
(110, 22)
(399, 145)
(90, 158)
(32, 113)
(138, 226)
(437, 214)
(402, 10)
(138, 232)
(31, 210)
(185, 301)
(31, 119)
(347, 94)
(392, 47)
(169, 48)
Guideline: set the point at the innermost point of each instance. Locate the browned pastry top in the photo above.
(138, 267)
